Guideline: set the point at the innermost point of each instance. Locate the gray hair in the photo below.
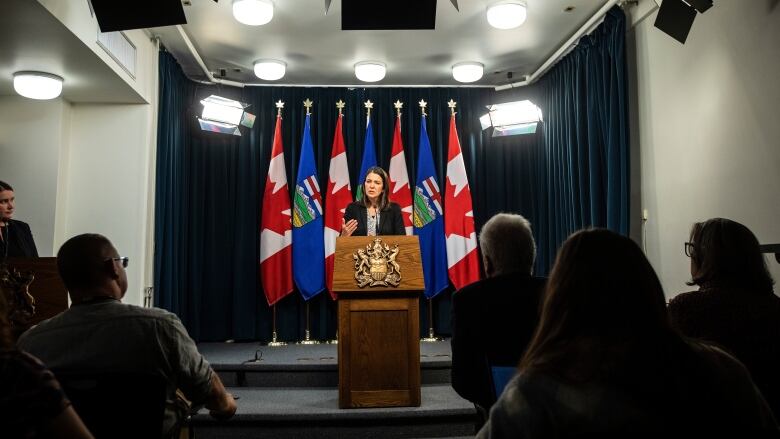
(506, 239)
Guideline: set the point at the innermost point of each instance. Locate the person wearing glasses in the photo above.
(605, 362)
(16, 239)
(101, 334)
(374, 214)
(735, 305)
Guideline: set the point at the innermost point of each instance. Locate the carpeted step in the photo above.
(254, 365)
(313, 412)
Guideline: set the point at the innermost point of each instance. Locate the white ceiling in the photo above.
(318, 52)
(31, 38)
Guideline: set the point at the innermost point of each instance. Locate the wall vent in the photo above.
(119, 47)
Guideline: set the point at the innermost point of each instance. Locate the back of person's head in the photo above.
(5, 186)
(82, 261)
(507, 243)
(602, 297)
(726, 252)
(384, 197)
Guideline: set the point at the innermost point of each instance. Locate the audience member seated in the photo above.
(32, 404)
(605, 360)
(493, 319)
(100, 334)
(735, 305)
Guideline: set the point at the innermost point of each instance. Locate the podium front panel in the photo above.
(379, 351)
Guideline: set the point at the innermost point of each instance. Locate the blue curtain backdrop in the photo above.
(572, 173)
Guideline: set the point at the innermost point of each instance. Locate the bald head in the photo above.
(87, 267)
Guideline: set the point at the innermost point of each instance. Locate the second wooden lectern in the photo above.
(378, 283)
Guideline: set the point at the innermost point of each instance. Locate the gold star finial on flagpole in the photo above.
(452, 105)
(340, 105)
(279, 105)
(308, 103)
(369, 105)
(422, 106)
(398, 105)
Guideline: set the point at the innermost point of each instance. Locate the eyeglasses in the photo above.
(125, 260)
(689, 249)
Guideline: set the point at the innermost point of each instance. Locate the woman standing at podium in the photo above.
(375, 214)
(16, 239)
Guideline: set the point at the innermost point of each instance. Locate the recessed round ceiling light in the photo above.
(506, 14)
(370, 71)
(467, 71)
(37, 85)
(253, 12)
(270, 69)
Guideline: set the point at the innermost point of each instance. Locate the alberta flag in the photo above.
(308, 245)
(369, 157)
(428, 220)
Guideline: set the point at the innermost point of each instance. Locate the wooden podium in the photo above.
(51, 297)
(379, 328)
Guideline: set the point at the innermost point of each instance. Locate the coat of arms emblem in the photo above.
(376, 265)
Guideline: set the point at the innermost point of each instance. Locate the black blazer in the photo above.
(493, 321)
(390, 220)
(19, 242)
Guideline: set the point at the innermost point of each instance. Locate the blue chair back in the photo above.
(501, 376)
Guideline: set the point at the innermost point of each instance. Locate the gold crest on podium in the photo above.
(376, 265)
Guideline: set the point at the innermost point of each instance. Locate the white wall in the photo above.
(708, 129)
(80, 168)
(107, 182)
(31, 141)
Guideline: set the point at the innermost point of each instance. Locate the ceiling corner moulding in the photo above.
(563, 49)
(37, 85)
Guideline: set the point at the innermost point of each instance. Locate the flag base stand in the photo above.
(274, 342)
(307, 340)
(335, 340)
(431, 336)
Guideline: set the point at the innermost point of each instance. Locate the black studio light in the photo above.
(675, 17)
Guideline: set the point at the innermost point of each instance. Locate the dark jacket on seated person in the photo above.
(17, 241)
(106, 335)
(493, 321)
(744, 323)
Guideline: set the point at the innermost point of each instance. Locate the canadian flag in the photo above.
(459, 230)
(400, 191)
(338, 196)
(276, 226)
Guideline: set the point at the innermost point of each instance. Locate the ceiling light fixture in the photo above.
(506, 14)
(469, 71)
(370, 71)
(253, 12)
(270, 69)
(37, 85)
